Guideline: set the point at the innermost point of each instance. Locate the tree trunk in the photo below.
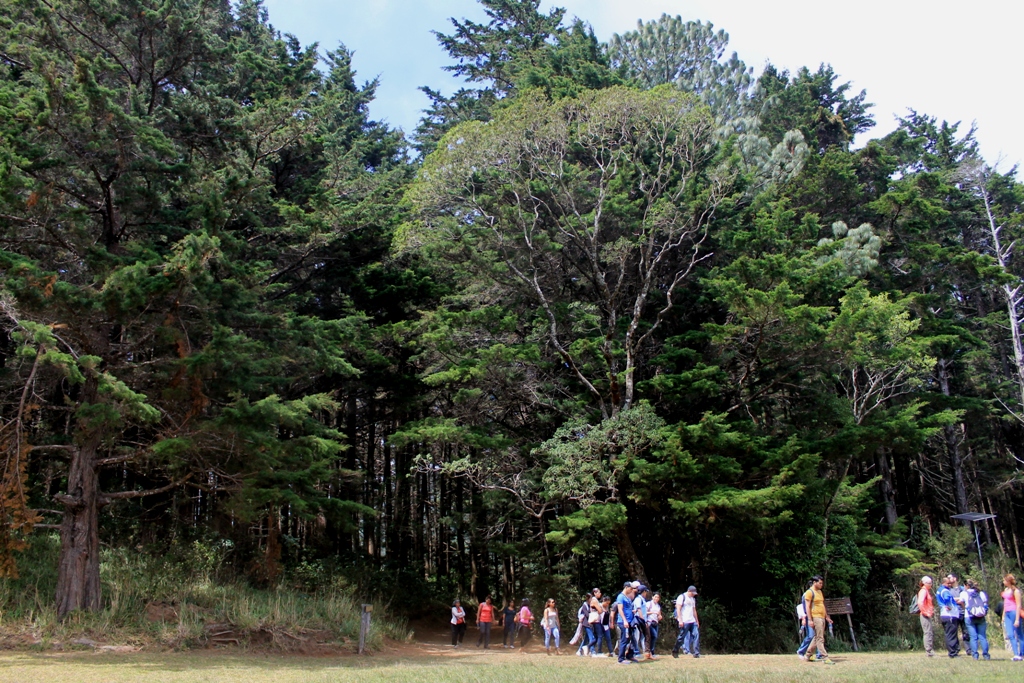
(78, 569)
(1013, 294)
(628, 559)
(888, 492)
(370, 484)
(953, 446)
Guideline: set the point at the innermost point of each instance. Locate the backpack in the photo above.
(583, 612)
(802, 606)
(914, 607)
(977, 604)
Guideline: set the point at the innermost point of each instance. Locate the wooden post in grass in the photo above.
(364, 627)
(837, 606)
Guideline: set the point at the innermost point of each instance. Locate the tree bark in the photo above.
(78, 568)
(888, 492)
(953, 446)
(628, 559)
(1013, 294)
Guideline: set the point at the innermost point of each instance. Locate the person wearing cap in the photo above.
(688, 639)
(641, 635)
(814, 605)
(949, 614)
(624, 617)
(926, 605)
(960, 594)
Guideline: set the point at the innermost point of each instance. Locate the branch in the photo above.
(4, 57)
(114, 460)
(121, 495)
(53, 447)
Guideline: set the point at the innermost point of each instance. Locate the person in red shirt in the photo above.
(484, 619)
(926, 603)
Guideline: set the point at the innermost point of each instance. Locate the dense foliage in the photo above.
(618, 310)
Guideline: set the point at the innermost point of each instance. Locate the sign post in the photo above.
(364, 627)
(974, 518)
(837, 606)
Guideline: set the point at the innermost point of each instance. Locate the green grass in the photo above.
(437, 665)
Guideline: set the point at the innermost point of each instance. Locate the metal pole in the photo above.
(980, 560)
(364, 627)
(853, 638)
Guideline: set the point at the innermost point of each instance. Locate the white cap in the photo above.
(926, 579)
(635, 584)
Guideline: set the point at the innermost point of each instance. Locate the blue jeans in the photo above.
(624, 640)
(550, 633)
(976, 629)
(1014, 635)
(688, 639)
(652, 629)
(586, 638)
(808, 636)
(603, 635)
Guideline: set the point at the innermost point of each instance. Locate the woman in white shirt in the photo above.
(654, 620)
(458, 623)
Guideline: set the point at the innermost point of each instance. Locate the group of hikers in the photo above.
(627, 626)
(963, 612)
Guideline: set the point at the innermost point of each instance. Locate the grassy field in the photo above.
(428, 663)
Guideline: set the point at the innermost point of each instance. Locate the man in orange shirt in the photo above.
(484, 619)
(926, 605)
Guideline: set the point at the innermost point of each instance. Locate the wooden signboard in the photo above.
(838, 606)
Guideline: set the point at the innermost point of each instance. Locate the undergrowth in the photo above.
(177, 599)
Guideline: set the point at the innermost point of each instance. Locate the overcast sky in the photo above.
(955, 61)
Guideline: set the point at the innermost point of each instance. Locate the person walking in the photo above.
(525, 625)
(605, 626)
(552, 627)
(688, 638)
(643, 639)
(653, 622)
(509, 619)
(1012, 623)
(583, 634)
(458, 623)
(806, 625)
(814, 605)
(926, 610)
(484, 619)
(949, 615)
(976, 609)
(624, 622)
(594, 621)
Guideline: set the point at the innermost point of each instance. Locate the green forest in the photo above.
(623, 310)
